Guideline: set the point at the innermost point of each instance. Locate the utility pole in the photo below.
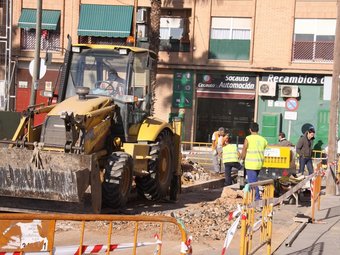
(334, 112)
(134, 26)
(36, 69)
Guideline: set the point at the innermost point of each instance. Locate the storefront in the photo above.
(291, 102)
(224, 100)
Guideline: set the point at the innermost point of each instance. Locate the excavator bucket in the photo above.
(47, 175)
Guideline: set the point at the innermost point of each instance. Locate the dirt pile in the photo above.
(207, 219)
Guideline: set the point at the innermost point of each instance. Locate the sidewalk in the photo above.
(283, 226)
(319, 238)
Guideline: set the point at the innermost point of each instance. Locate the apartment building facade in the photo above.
(221, 62)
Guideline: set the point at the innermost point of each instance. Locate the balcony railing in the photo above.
(317, 52)
(174, 45)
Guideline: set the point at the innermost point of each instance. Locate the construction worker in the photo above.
(283, 140)
(217, 143)
(253, 155)
(230, 157)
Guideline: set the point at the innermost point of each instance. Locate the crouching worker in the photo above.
(230, 156)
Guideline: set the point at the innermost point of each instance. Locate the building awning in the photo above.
(49, 19)
(241, 95)
(105, 20)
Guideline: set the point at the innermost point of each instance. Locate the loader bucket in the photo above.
(46, 175)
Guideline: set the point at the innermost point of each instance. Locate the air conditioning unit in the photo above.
(267, 88)
(141, 15)
(289, 91)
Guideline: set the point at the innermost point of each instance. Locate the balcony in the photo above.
(311, 51)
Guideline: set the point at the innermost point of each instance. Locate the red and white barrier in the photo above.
(234, 214)
(186, 246)
(233, 228)
(230, 234)
(87, 249)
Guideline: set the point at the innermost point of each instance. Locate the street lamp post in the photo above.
(36, 70)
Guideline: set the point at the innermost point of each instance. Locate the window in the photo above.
(230, 38)
(3, 17)
(50, 29)
(102, 40)
(104, 24)
(314, 40)
(49, 39)
(3, 47)
(174, 31)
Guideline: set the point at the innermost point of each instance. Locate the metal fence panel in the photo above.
(307, 51)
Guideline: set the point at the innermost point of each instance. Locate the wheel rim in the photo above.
(163, 165)
(124, 184)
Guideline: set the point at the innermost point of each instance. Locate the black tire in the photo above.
(175, 188)
(156, 185)
(117, 180)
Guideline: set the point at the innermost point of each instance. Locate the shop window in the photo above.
(314, 40)
(49, 39)
(235, 115)
(174, 31)
(230, 38)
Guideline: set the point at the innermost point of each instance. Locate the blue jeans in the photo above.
(228, 167)
(252, 177)
(306, 161)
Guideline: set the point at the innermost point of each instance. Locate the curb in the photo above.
(212, 184)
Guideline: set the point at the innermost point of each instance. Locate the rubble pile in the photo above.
(207, 219)
(193, 172)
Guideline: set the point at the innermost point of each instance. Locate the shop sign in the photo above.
(225, 82)
(182, 89)
(294, 78)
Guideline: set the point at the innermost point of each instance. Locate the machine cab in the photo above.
(119, 72)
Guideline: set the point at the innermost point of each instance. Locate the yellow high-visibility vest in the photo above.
(255, 152)
(229, 153)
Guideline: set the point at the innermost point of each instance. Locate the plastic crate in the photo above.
(276, 157)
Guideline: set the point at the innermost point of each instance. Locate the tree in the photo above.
(155, 17)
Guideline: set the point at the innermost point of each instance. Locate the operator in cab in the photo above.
(113, 86)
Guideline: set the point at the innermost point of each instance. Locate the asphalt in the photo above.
(321, 237)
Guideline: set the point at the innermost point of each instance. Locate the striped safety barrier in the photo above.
(87, 249)
(34, 234)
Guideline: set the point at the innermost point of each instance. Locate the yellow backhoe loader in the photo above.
(99, 136)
